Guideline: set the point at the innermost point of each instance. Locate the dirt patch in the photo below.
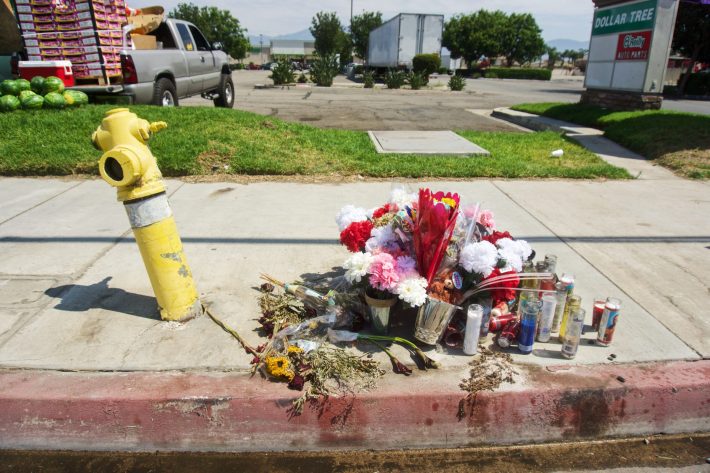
(694, 163)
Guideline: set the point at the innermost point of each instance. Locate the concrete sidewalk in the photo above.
(74, 297)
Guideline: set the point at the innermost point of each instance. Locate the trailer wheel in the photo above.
(226, 92)
(164, 94)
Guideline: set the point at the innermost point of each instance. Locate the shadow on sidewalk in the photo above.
(79, 298)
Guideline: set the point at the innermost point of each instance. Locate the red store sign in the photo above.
(633, 46)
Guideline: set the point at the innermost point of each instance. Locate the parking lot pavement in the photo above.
(347, 106)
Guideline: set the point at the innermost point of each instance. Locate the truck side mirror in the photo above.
(217, 46)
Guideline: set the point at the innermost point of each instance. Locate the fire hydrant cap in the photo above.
(120, 166)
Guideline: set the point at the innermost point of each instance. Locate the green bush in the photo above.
(416, 80)
(476, 75)
(443, 70)
(426, 64)
(457, 83)
(394, 79)
(368, 79)
(236, 67)
(302, 79)
(324, 69)
(359, 69)
(515, 73)
(698, 84)
(283, 73)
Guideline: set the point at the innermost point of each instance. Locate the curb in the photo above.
(180, 411)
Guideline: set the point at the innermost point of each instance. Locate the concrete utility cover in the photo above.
(423, 142)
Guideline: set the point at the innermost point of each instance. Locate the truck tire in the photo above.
(226, 92)
(164, 94)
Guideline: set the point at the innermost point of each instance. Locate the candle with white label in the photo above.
(474, 317)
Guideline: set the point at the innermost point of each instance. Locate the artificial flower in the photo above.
(503, 291)
(495, 236)
(406, 266)
(385, 209)
(433, 227)
(382, 238)
(514, 252)
(485, 218)
(356, 234)
(350, 214)
(401, 198)
(357, 266)
(479, 257)
(412, 291)
(383, 272)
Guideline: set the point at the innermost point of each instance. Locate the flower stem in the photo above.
(398, 366)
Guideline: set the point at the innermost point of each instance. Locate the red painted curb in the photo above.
(232, 412)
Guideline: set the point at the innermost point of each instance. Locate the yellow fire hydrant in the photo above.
(128, 165)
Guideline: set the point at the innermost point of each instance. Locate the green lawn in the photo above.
(203, 140)
(679, 141)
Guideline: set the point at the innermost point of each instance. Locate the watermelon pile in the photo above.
(40, 92)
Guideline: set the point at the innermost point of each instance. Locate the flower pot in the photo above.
(380, 313)
(432, 319)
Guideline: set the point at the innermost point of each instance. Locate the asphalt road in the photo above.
(347, 106)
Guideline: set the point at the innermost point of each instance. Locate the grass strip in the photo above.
(203, 141)
(678, 141)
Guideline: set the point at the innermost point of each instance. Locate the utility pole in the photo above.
(351, 16)
(261, 48)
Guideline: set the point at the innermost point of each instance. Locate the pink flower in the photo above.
(383, 272)
(486, 219)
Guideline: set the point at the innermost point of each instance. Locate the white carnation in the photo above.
(412, 291)
(480, 257)
(381, 238)
(402, 198)
(357, 266)
(514, 252)
(512, 260)
(350, 214)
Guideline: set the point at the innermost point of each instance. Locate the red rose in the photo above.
(506, 292)
(495, 236)
(355, 235)
(385, 209)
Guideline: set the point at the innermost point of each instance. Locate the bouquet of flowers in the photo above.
(427, 244)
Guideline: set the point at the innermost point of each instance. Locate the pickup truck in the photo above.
(185, 66)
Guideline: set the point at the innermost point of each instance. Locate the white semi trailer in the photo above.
(398, 40)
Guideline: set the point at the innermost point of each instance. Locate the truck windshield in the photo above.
(185, 36)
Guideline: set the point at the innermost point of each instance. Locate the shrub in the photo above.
(457, 83)
(698, 84)
(394, 79)
(476, 75)
(236, 67)
(515, 73)
(443, 70)
(368, 79)
(302, 79)
(324, 69)
(359, 69)
(416, 80)
(426, 64)
(283, 73)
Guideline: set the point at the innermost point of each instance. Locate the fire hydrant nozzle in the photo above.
(128, 165)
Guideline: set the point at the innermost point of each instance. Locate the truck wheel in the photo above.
(226, 92)
(164, 94)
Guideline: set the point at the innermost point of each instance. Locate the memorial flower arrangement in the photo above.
(427, 245)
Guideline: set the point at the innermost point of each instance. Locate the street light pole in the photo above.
(261, 48)
(351, 16)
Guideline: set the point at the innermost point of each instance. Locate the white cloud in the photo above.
(569, 20)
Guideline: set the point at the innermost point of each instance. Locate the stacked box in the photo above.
(85, 32)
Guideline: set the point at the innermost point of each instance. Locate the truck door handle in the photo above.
(202, 59)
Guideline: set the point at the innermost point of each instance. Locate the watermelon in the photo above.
(25, 93)
(37, 84)
(9, 103)
(53, 84)
(33, 101)
(9, 87)
(75, 97)
(54, 100)
(23, 84)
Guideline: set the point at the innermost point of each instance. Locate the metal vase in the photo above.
(432, 319)
(380, 313)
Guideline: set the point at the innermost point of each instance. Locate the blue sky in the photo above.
(570, 19)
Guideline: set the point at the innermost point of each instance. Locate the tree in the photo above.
(327, 31)
(552, 56)
(475, 35)
(360, 31)
(521, 39)
(216, 25)
(692, 36)
(345, 47)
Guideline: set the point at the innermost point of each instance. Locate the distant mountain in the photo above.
(304, 35)
(562, 44)
(254, 39)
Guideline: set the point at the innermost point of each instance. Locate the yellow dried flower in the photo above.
(294, 349)
(279, 367)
